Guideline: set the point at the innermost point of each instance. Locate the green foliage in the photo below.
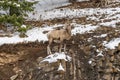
(15, 20)
(22, 29)
(17, 11)
(22, 6)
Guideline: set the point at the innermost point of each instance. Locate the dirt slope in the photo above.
(21, 61)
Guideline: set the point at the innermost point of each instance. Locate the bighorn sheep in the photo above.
(61, 35)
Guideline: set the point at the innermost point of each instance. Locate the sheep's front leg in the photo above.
(60, 47)
(48, 47)
(48, 50)
(64, 47)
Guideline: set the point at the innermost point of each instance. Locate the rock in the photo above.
(88, 21)
(87, 50)
(109, 64)
(17, 70)
(14, 77)
(107, 77)
(112, 58)
(118, 46)
(55, 48)
(100, 70)
(100, 63)
(109, 70)
(94, 23)
(93, 64)
(63, 63)
(48, 68)
(73, 42)
(111, 52)
(39, 59)
(118, 23)
(61, 70)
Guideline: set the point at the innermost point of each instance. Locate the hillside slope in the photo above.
(93, 52)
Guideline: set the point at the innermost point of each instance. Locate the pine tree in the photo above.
(15, 11)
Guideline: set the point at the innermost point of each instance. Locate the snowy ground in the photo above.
(103, 17)
(40, 7)
(55, 57)
(37, 33)
(95, 14)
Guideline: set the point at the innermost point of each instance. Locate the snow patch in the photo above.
(55, 57)
(113, 43)
(100, 54)
(102, 35)
(61, 68)
(33, 35)
(83, 28)
(75, 13)
(90, 62)
(37, 33)
(23, 26)
(111, 23)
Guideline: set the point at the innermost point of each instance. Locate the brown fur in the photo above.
(62, 34)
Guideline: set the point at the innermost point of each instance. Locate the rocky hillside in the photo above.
(92, 53)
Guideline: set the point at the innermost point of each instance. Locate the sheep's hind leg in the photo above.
(65, 48)
(60, 48)
(48, 50)
(48, 47)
